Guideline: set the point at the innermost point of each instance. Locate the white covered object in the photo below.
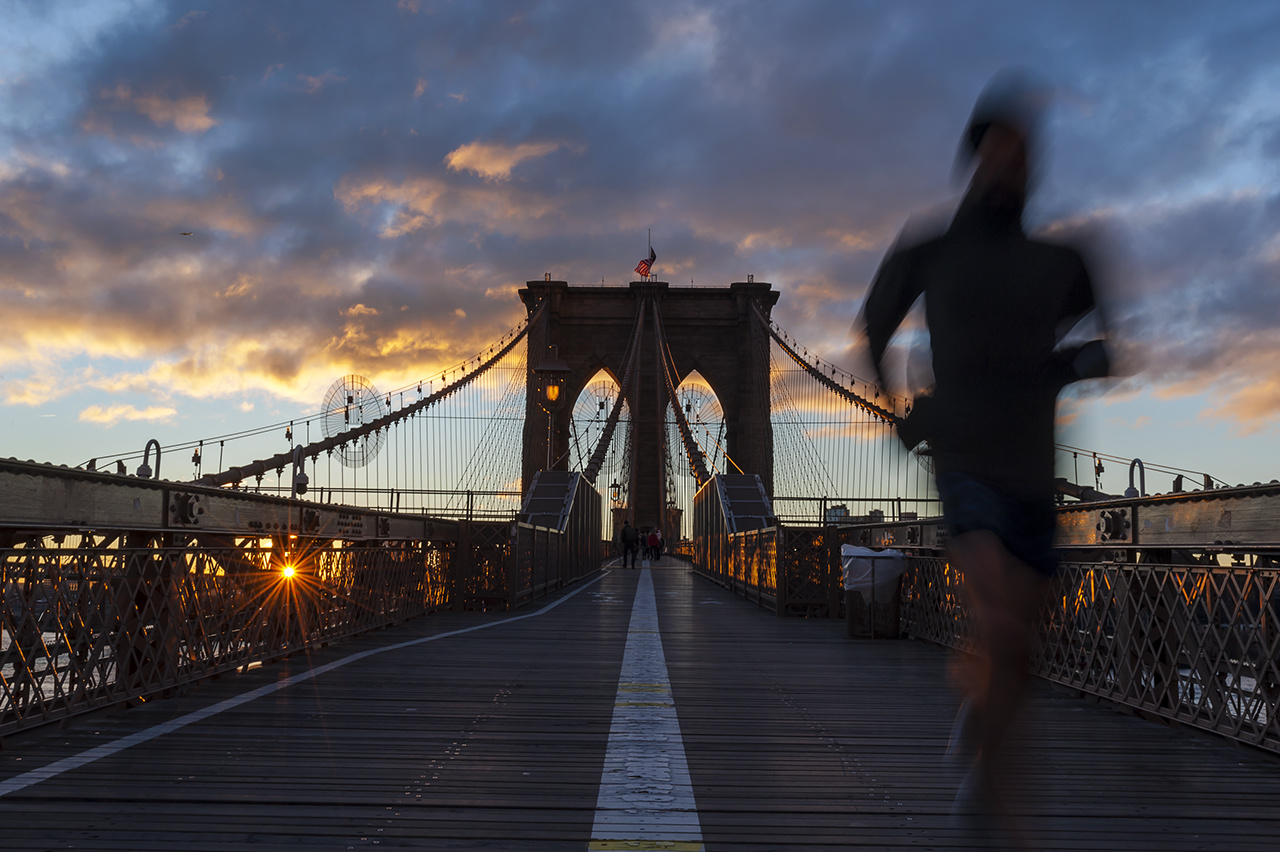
(864, 569)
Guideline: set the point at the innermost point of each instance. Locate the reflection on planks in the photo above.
(795, 737)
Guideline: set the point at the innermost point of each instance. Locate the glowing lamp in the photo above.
(551, 376)
(288, 571)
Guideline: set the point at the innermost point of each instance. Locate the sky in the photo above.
(366, 186)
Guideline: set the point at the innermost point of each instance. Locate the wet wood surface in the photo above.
(796, 738)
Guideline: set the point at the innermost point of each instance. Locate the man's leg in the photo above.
(1005, 596)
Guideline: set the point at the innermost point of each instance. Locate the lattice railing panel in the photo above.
(490, 552)
(85, 625)
(1194, 643)
(807, 573)
(754, 562)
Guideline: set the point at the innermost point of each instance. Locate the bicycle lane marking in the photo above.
(646, 799)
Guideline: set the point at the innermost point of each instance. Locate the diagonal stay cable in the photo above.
(602, 448)
(257, 468)
(891, 418)
(834, 387)
(697, 461)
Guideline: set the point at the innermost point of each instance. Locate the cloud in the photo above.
(188, 115)
(495, 161)
(189, 18)
(358, 230)
(113, 414)
(1141, 422)
(426, 202)
(318, 83)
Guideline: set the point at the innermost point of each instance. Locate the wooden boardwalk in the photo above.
(795, 738)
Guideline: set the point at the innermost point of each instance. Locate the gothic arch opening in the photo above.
(586, 428)
(705, 415)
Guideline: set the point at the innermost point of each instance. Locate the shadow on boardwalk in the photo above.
(796, 738)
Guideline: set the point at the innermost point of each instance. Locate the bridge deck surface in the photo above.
(795, 737)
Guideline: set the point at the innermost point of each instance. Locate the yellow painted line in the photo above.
(645, 845)
(646, 799)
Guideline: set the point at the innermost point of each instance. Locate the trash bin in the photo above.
(872, 581)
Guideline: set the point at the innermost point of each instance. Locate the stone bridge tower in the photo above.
(708, 329)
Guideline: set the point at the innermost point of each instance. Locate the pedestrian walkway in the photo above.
(557, 729)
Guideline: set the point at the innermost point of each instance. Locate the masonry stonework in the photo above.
(708, 329)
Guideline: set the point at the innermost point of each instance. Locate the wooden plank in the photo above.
(796, 738)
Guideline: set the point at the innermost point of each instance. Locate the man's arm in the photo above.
(894, 290)
(1088, 360)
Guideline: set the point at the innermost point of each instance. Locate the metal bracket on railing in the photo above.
(144, 469)
(1113, 525)
(1142, 479)
(185, 509)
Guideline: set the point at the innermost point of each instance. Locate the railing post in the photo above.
(780, 580)
(835, 584)
(513, 563)
(461, 577)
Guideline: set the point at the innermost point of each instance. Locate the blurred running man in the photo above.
(997, 304)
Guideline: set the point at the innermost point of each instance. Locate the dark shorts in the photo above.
(1023, 524)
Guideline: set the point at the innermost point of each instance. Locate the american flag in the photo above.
(643, 267)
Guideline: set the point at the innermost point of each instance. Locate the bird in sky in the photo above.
(186, 233)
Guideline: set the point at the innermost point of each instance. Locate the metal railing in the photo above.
(820, 511)
(116, 590)
(547, 559)
(1152, 608)
(89, 623)
(470, 505)
(1195, 643)
(743, 562)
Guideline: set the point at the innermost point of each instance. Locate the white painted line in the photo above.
(646, 796)
(35, 776)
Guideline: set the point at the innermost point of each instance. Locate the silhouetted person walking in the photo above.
(997, 303)
(630, 539)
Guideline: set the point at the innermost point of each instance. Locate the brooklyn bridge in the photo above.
(403, 621)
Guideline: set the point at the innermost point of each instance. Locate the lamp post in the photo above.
(551, 376)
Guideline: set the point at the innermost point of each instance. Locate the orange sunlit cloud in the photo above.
(200, 206)
(426, 202)
(113, 414)
(189, 114)
(495, 161)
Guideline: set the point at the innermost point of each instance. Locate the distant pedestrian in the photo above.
(997, 303)
(653, 544)
(630, 539)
